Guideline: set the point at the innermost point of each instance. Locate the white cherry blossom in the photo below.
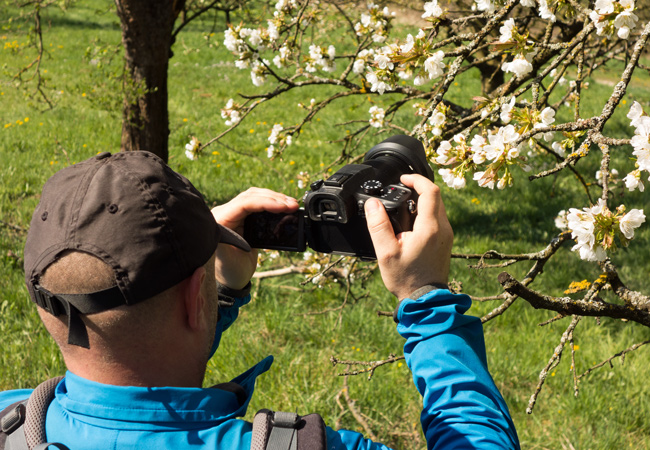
(635, 113)
(582, 226)
(477, 146)
(561, 220)
(383, 60)
(641, 142)
(434, 66)
(600, 25)
(633, 181)
(545, 12)
(230, 113)
(546, 117)
(506, 30)
(500, 144)
(443, 152)
(630, 221)
(258, 73)
(432, 9)
(559, 148)
(274, 33)
(604, 6)
(192, 149)
(408, 45)
(376, 116)
(377, 84)
(506, 110)
(484, 181)
(452, 180)
(520, 66)
(485, 5)
(624, 22)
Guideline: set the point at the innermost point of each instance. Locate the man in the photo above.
(122, 257)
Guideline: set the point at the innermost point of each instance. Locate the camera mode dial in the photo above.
(372, 187)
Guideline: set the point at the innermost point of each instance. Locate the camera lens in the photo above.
(398, 155)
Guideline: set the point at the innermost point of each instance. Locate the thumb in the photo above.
(379, 226)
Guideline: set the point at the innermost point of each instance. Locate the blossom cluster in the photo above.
(609, 16)
(381, 67)
(277, 136)
(497, 149)
(231, 113)
(437, 119)
(432, 10)
(304, 178)
(377, 115)
(320, 57)
(511, 41)
(384, 67)
(246, 43)
(193, 149)
(641, 144)
(597, 229)
(375, 23)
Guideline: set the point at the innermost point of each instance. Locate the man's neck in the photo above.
(139, 372)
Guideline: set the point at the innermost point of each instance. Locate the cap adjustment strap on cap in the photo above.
(72, 305)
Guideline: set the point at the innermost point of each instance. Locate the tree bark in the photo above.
(147, 27)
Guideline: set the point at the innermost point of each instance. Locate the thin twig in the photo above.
(610, 359)
(355, 412)
(552, 363)
(279, 272)
(371, 365)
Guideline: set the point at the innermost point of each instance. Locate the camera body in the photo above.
(333, 218)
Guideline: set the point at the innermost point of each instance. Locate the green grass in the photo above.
(611, 410)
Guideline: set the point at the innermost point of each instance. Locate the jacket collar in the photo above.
(93, 402)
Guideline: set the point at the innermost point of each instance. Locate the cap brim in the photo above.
(228, 236)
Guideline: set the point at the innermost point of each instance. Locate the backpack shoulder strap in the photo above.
(288, 431)
(23, 423)
(11, 418)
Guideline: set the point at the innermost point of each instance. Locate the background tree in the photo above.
(149, 30)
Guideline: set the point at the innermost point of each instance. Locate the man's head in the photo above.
(147, 224)
(164, 340)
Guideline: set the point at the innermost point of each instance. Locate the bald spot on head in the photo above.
(110, 331)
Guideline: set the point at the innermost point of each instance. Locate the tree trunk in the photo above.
(147, 27)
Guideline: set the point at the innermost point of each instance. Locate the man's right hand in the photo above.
(412, 259)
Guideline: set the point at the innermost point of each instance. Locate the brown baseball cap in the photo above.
(132, 211)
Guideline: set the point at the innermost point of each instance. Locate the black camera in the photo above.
(333, 219)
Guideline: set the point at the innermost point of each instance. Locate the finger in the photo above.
(431, 209)
(257, 199)
(381, 231)
(251, 201)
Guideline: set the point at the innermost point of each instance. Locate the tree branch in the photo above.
(569, 306)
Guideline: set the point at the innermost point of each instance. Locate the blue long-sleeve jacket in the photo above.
(462, 408)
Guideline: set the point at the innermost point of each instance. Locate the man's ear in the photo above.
(194, 299)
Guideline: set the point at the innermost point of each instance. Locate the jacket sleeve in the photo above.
(445, 350)
(16, 395)
(228, 312)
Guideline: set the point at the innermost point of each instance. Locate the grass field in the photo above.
(612, 409)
